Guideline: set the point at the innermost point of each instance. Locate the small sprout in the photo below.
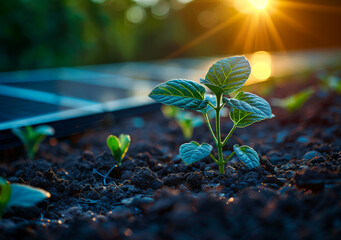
(294, 102)
(223, 78)
(20, 195)
(32, 137)
(331, 82)
(186, 120)
(118, 147)
(170, 112)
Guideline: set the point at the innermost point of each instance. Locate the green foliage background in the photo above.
(50, 33)
(53, 33)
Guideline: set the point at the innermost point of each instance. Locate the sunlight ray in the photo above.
(204, 36)
(273, 31)
(309, 6)
(297, 25)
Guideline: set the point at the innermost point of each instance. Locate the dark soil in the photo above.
(294, 194)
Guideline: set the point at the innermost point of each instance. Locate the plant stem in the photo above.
(211, 105)
(214, 159)
(229, 157)
(210, 128)
(229, 135)
(219, 144)
(107, 174)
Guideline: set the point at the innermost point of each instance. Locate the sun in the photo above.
(259, 4)
(250, 6)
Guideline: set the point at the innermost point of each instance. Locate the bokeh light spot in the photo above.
(207, 19)
(146, 3)
(136, 14)
(161, 9)
(261, 65)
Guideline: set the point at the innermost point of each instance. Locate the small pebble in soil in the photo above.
(302, 139)
(310, 155)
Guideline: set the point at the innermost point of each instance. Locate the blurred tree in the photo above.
(50, 33)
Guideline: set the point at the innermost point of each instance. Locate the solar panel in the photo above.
(48, 95)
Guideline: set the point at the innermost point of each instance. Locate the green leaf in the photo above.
(5, 194)
(193, 151)
(247, 155)
(247, 109)
(26, 196)
(125, 142)
(227, 75)
(187, 122)
(243, 119)
(21, 134)
(44, 130)
(32, 137)
(114, 145)
(180, 93)
(215, 89)
(252, 103)
(294, 102)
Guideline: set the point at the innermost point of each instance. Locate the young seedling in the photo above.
(331, 82)
(223, 77)
(118, 147)
(32, 137)
(186, 120)
(294, 102)
(13, 194)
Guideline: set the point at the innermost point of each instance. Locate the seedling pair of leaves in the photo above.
(331, 81)
(294, 102)
(19, 195)
(186, 120)
(223, 78)
(118, 147)
(32, 137)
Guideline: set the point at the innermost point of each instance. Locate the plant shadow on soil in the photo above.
(294, 194)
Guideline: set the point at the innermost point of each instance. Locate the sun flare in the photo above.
(250, 6)
(259, 4)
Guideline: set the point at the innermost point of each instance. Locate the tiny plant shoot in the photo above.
(224, 77)
(32, 137)
(118, 147)
(186, 120)
(294, 102)
(19, 195)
